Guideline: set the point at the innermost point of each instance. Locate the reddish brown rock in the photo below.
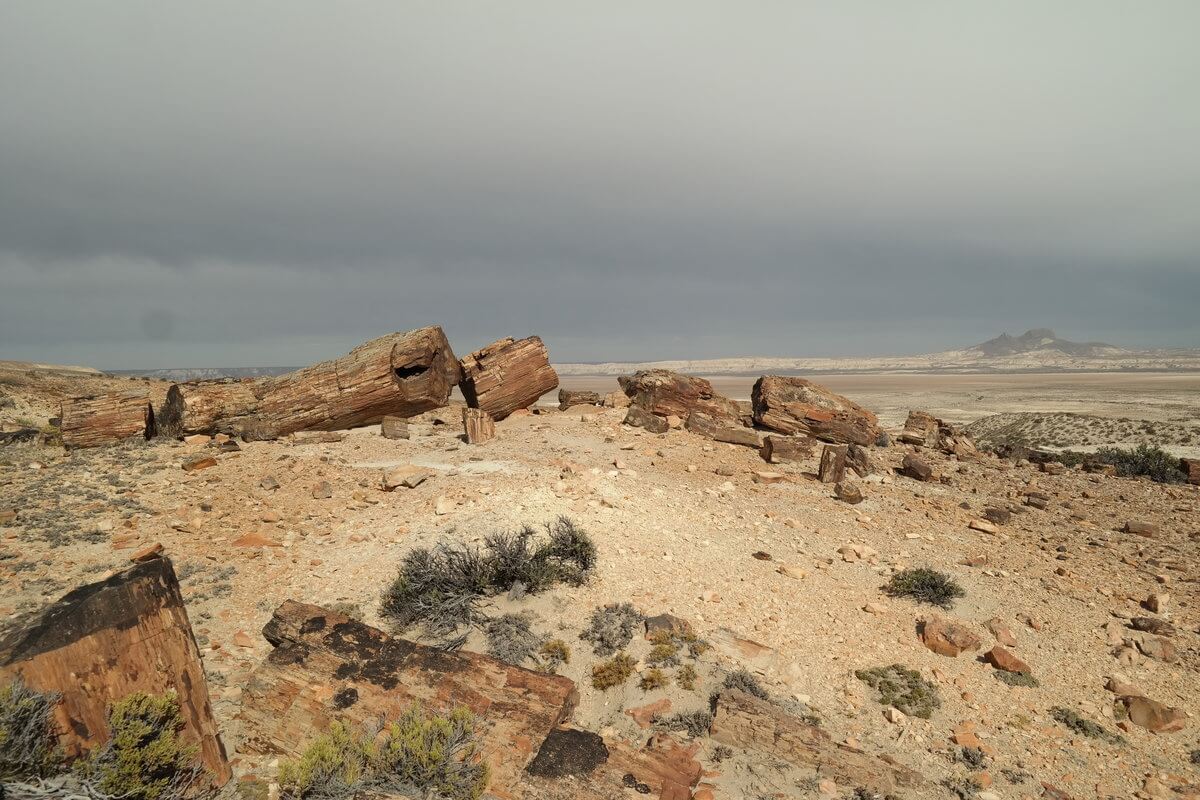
(326, 666)
(999, 628)
(798, 406)
(639, 417)
(128, 633)
(704, 425)
(146, 553)
(198, 463)
(393, 427)
(833, 463)
(1191, 468)
(1141, 528)
(848, 492)
(948, 638)
(580, 765)
(479, 425)
(1158, 648)
(1153, 715)
(571, 397)
(1002, 659)
(645, 715)
(787, 449)
(925, 430)
(106, 419)
(665, 393)
(507, 375)
(917, 469)
(746, 722)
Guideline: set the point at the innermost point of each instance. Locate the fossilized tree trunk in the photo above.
(664, 392)
(401, 374)
(798, 406)
(104, 641)
(506, 375)
(106, 418)
(326, 667)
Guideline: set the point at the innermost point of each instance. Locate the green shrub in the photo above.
(613, 672)
(925, 586)
(1017, 679)
(611, 628)
(418, 753)
(686, 676)
(1152, 462)
(554, 654)
(144, 758)
(1073, 721)
(903, 689)
(27, 736)
(653, 678)
(440, 588)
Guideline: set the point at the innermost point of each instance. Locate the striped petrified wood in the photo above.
(326, 667)
(106, 640)
(106, 418)
(507, 375)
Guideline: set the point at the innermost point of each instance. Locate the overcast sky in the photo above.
(234, 184)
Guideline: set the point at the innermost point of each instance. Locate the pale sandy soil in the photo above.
(669, 537)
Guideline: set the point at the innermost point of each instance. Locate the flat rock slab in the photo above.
(327, 666)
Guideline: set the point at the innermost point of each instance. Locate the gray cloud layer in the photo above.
(231, 183)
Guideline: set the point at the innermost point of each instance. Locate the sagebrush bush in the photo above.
(686, 677)
(418, 754)
(554, 654)
(744, 681)
(925, 586)
(653, 678)
(440, 588)
(1152, 462)
(511, 638)
(611, 628)
(903, 689)
(1081, 725)
(694, 723)
(145, 758)
(1017, 679)
(28, 748)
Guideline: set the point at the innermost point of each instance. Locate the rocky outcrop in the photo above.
(667, 393)
(106, 640)
(925, 430)
(106, 419)
(746, 722)
(326, 666)
(798, 406)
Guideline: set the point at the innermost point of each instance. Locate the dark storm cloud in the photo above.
(270, 183)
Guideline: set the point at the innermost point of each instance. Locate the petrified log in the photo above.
(917, 469)
(572, 397)
(746, 722)
(506, 375)
(859, 460)
(786, 449)
(833, 463)
(104, 641)
(106, 418)
(326, 666)
(704, 425)
(1191, 468)
(479, 425)
(401, 374)
(666, 393)
(200, 406)
(795, 405)
(639, 417)
(926, 430)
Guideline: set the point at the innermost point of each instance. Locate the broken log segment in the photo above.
(787, 449)
(507, 375)
(478, 425)
(666, 393)
(326, 667)
(746, 722)
(798, 406)
(106, 418)
(571, 397)
(401, 374)
(704, 425)
(106, 640)
(833, 463)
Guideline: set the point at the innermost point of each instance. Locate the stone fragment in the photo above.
(1004, 660)
(198, 463)
(833, 463)
(778, 449)
(1155, 716)
(394, 427)
(478, 425)
(948, 638)
(408, 476)
(848, 492)
(768, 477)
(917, 469)
(999, 628)
(1141, 528)
(255, 540)
(997, 516)
(322, 490)
(147, 553)
(1157, 602)
(982, 525)
(639, 417)
(573, 397)
(1158, 648)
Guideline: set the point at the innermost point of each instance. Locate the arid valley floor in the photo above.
(781, 577)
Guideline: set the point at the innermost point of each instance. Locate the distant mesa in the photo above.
(1041, 339)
